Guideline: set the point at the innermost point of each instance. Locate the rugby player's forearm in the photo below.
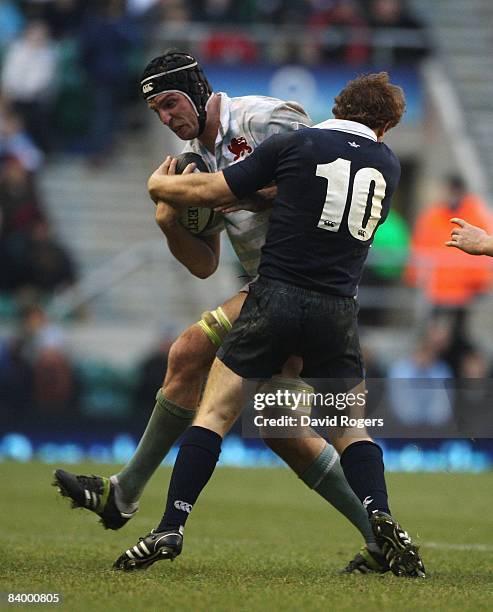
(198, 189)
(194, 253)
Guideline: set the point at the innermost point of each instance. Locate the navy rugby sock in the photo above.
(194, 465)
(363, 467)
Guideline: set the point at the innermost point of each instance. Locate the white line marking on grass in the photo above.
(449, 546)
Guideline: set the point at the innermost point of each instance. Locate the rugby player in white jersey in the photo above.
(222, 131)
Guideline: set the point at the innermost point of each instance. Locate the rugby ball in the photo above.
(196, 219)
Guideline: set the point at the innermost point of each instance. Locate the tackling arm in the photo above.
(198, 189)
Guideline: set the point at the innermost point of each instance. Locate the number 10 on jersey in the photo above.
(365, 207)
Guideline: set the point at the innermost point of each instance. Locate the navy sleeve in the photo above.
(255, 171)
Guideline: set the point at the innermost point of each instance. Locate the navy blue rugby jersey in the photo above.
(335, 183)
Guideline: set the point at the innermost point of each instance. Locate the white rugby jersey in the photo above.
(244, 123)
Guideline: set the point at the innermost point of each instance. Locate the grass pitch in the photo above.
(257, 540)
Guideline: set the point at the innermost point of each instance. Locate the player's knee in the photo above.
(190, 354)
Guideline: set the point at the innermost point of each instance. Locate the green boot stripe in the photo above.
(104, 497)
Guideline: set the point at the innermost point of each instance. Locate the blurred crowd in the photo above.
(384, 32)
(69, 67)
(449, 283)
(37, 376)
(63, 62)
(42, 382)
(34, 264)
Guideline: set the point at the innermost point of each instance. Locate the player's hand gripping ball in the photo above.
(197, 220)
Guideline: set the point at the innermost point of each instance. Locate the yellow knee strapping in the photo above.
(290, 388)
(215, 325)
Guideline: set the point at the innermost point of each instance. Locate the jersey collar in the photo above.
(224, 117)
(343, 125)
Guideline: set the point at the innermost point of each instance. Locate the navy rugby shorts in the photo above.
(279, 320)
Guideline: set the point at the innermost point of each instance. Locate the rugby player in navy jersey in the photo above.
(334, 187)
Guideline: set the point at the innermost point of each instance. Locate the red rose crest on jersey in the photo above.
(239, 146)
